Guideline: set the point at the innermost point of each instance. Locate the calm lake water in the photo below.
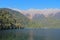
(30, 34)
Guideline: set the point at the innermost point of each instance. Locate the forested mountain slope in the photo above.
(12, 19)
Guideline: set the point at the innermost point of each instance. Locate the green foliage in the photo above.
(10, 20)
(5, 17)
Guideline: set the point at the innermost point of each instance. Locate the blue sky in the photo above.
(27, 4)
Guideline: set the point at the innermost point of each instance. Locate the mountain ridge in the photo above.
(33, 12)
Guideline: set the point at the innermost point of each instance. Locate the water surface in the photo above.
(30, 34)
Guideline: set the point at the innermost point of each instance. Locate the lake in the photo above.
(30, 34)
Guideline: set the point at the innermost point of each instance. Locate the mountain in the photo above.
(45, 17)
(57, 15)
(32, 12)
(36, 17)
(19, 18)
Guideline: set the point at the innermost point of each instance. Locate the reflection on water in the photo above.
(30, 34)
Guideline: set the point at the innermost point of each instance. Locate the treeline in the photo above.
(8, 22)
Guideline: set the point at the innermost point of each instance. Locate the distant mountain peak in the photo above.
(46, 12)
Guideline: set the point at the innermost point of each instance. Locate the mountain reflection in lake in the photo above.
(30, 34)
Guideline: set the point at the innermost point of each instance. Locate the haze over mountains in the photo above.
(30, 13)
(43, 17)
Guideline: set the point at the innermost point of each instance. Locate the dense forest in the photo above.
(11, 20)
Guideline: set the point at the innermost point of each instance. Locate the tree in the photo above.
(6, 20)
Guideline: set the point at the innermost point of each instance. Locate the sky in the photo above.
(30, 4)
